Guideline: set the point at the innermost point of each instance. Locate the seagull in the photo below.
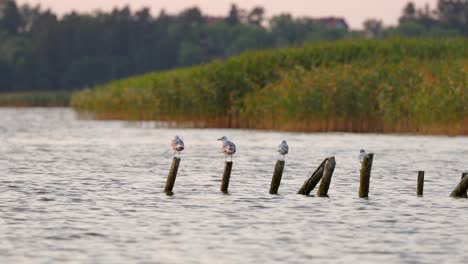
(283, 148)
(228, 148)
(362, 155)
(177, 144)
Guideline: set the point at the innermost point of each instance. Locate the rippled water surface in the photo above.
(77, 191)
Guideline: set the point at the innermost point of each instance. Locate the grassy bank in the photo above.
(35, 99)
(362, 86)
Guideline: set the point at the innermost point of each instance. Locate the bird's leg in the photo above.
(174, 153)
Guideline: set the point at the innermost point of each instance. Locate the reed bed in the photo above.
(394, 85)
(35, 99)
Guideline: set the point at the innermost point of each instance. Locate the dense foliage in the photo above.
(40, 51)
(361, 85)
(449, 18)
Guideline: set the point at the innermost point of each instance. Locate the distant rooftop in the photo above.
(332, 22)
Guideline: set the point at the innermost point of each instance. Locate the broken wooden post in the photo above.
(326, 178)
(226, 176)
(171, 177)
(277, 175)
(310, 184)
(365, 175)
(461, 189)
(420, 189)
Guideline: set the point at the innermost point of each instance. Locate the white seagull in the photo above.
(228, 148)
(362, 155)
(177, 144)
(283, 148)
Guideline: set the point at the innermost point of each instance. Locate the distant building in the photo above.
(211, 20)
(332, 22)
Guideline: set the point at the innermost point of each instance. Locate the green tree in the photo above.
(10, 20)
(6, 76)
(256, 16)
(190, 54)
(453, 14)
(191, 16)
(29, 15)
(233, 17)
(409, 13)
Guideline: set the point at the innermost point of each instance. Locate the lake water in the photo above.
(81, 191)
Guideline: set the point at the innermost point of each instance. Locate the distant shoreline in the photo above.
(317, 127)
(36, 99)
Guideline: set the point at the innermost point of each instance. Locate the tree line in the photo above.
(41, 51)
(448, 19)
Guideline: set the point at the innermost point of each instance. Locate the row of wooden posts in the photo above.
(322, 174)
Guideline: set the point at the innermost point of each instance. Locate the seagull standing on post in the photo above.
(228, 148)
(362, 155)
(283, 148)
(177, 144)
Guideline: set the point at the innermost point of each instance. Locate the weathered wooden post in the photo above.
(310, 184)
(171, 177)
(420, 189)
(465, 174)
(365, 175)
(326, 178)
(226, 176)
(462, 188)
(277, 175)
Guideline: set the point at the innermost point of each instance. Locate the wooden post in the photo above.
(420, 189)
(277, 175)
(310, 184)
(462, 188)
(365, 175)
(226, 176)
(171, 177)
(465, 174)
(326, 178)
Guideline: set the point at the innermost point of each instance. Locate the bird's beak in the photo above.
(220, 139)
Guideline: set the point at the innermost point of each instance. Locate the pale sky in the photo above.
(354, 11)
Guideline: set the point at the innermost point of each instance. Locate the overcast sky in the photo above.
(355, 11)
